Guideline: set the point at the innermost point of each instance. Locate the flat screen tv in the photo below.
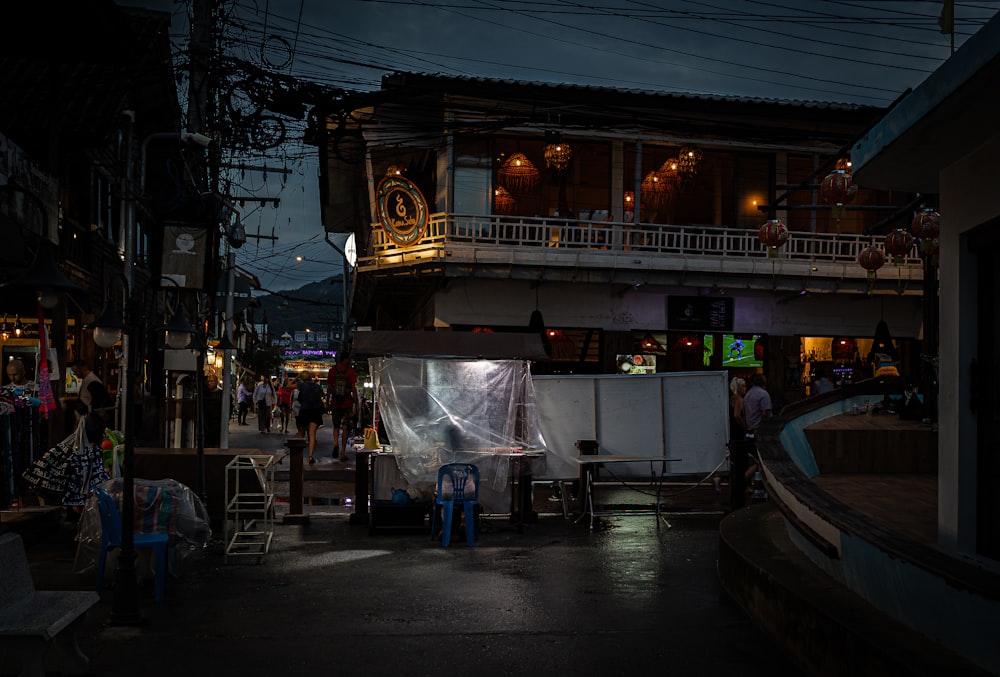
(738, 350)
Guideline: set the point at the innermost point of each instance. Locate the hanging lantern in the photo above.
(926, 225)
(517, 173)
(871, 259)
(394, 170)
(844, 163)
(773, 234)
(838, 189)
(669, 171)
(688, 162)
(898, 244)
(503, 202)
(557, 156)
(654, 190)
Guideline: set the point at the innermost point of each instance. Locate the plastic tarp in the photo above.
(163, 506)
(439, 411)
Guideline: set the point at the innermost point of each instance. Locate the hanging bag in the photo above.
(371, 439)
(49, 473)
(86, 468)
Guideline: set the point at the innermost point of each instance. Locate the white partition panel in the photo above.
(683, 415)
(566, 413)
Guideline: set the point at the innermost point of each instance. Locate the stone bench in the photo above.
(38, 627)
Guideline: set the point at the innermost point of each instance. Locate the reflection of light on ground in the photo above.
(302, 562)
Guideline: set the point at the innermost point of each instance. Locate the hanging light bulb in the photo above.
(18, 327)
(4, 330)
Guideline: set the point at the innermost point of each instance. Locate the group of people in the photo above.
(305, 400)
(749, 406)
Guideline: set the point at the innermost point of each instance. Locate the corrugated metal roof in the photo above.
(602, 91)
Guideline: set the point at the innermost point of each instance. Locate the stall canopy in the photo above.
(464, 410)
(444, 344)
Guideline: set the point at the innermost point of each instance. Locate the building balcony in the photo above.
(612, 252)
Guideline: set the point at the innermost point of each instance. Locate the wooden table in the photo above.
(877, 443)
(589, 463)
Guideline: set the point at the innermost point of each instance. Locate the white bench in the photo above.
(33, 622)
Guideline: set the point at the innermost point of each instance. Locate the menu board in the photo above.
(699, 313)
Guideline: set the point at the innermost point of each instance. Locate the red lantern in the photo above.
(898, 244)
(926, 225)
(871, 259)
(837, 189)
(773, 234)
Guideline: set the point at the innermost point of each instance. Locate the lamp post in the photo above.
(178, 335)
(109, 328)
(349, 255)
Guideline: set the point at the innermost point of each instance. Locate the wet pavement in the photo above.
(332, 598)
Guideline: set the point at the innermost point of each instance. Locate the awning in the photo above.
(493, 346)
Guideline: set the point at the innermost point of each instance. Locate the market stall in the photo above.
(446, 397)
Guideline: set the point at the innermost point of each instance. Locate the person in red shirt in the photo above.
(285, 404)
(342, 402)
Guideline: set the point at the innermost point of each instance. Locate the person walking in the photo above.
(309, 396)
(284, 405)
(756, 410)
(342, 402)
(243, 394)
(756, 404)
(737, 434)
(264, 399)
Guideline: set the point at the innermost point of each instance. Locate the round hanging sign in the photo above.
(402, 210)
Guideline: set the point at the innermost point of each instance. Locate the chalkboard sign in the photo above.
(699, 313)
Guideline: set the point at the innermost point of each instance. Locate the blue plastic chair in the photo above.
(461, 489)
(111, 537)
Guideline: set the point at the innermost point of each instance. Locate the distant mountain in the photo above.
(318, 306)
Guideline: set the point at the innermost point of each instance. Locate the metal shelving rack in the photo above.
(249, 523)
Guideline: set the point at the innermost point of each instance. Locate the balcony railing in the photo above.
(550, 241)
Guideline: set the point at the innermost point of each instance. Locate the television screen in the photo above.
(637, 364)
(738, 350)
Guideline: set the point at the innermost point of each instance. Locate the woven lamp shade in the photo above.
(503, 202)
(655, 190)
(688, 162)
(557, 156)
(518, 174)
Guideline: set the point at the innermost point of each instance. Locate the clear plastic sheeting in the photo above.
(161, 506)
(438, 411)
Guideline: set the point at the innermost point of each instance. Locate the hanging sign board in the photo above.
(402, 210)
(699, 313)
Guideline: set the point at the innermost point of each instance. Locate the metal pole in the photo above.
(227, 371)
(346, 313)
(125, 604)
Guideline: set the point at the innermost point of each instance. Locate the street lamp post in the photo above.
(110, 328)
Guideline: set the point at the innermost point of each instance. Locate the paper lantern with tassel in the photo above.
(773, 234)
(926, 225)
(898, 244)
(871, 259)
(837, 189)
